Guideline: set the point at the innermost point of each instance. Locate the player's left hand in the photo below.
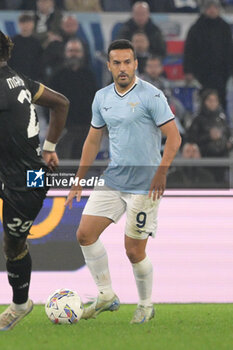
(76, 191)
(51, 159)
(158, 185)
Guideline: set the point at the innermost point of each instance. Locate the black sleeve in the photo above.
(34, 87)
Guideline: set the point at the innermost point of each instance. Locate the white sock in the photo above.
(19, 307)
(143, 273)
(97, 261)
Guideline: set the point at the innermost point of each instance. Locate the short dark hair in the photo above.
(6, 45)
(140, 32)
(25, 17)
(121, 44)
(207, 92)
(155, 57)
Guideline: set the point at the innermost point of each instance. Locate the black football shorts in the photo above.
(20, 209)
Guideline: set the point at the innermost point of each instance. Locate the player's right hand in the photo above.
(76, 191)
(51, 159)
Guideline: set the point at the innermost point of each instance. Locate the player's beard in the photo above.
(126, 82)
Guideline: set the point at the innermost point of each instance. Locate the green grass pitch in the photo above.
(175, 327)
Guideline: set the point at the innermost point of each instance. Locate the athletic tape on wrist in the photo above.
(49, 146)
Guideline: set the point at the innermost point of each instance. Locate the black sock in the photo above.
(19, 275)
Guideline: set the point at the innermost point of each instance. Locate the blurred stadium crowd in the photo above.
(111, 5)
(50, 47)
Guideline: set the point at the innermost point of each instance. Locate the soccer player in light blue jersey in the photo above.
(135, 113)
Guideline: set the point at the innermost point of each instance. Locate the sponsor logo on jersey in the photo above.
(107, 108)
(133, 105)
(143, 231)
(35, 178)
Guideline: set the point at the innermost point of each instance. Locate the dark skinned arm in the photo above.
(58, 106)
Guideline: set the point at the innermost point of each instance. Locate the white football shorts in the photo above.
(141, 211)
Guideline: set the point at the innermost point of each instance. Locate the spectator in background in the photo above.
(208, 53)
(77, 82)
(191, 151)
(141, 45)
(209, 129)
(83, 5)
(70, 29)
(141, 21)
(153, 74)
(47, 18)
(190, 176)
(26, 56)
(53, 56)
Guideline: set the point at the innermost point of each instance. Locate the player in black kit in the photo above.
(19, 152)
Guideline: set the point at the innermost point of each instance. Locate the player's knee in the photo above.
(83, 237)
(12, 252)
(13, 248)
(134, 254)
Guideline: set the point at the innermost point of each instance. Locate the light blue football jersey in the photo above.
(133, 120)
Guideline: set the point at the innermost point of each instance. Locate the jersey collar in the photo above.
(126, 92)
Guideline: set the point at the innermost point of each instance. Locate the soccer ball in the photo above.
(64, 306)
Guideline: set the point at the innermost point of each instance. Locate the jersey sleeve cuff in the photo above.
(169, 120)
(98, 127)
(39, 93)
